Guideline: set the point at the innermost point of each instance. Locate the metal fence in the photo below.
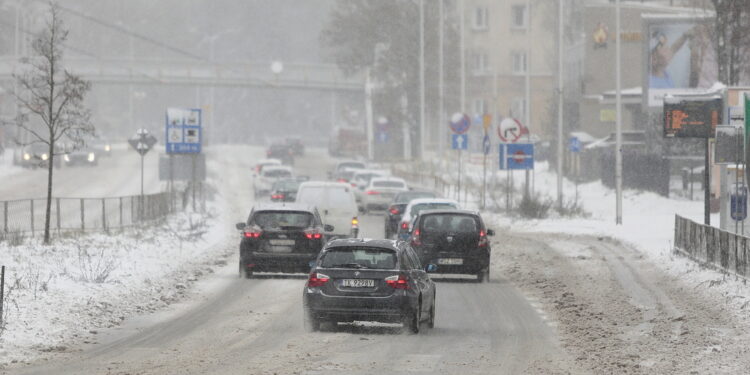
(84, 214)
(712, 246)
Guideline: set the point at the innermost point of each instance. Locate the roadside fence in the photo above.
(85, 214)
(712, 246)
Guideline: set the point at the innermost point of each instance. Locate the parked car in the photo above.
(457, 241)
(280, 238)
(87, 156)
(416, 205)
(270, 174)
(336, 204)
(369, 280)
(380, 191)
(281, 151)
(397, 207)
(285, 190)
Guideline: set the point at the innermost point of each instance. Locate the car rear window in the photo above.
(450, 223)
(388, 184)
(407, 197)
(286, 185)
(359, 257)
(430, 206)
(277, 173)
(282, 219)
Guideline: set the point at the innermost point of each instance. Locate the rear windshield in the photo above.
(450, 223)
(407, 197)
(277, 173)
(332, 196)
(430, 206)
(355, 165)
(282, 219)
(388, 184)
(286, 185)
(359, 257)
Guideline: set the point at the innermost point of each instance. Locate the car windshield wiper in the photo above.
(349, 265)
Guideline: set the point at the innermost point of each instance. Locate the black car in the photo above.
(369, 280)
(86, 156)
(281, 238)
(397, 207)
(281, 151)
(454, 240)
(285, 190)
(298, 148)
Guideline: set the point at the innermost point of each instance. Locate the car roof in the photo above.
(268, 161)
(370, 171)
(387, 178)
(431, 200)
(277, 168)
(340, 162)
(324, 184)
(284, 207)
(451, 212)
(394, 245)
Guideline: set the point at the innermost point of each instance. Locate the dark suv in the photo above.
(369, 280)
(281, 238)
(397, 207)
(454, 240)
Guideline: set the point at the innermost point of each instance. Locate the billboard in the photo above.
(679, 55)
(692, 117)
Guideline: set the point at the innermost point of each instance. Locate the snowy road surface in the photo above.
(556, 304)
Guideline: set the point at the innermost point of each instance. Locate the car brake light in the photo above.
(313, 234)
(277, 196)
(253, 232)
(317, 279)
(415, 238)
(398, 281)
(341, 180)
(372, 192)
(404, 225)
(394, 211)
(353, 184)
(482, 239)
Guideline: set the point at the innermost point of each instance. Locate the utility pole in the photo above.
(527, 99)
(441, 83)
(463, 55)
(618, 110)
(421, 81)
(560, 107)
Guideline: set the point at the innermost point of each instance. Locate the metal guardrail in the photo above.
(712, 246)
(84, 214)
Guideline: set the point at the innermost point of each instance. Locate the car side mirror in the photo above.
(240, 226)
(431, 268)
(328, 228)
(490, 232)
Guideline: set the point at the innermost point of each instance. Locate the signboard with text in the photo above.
(183, 131)
(692, 117)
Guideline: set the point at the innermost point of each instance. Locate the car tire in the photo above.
(431, 321)
(244, 271)
(483, 276)
(414, 320)
(311, 324)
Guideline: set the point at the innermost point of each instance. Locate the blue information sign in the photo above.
(183, 131)
(739, 204)
(460, 141)
(517, 156)
(486, 144)
(574, 144)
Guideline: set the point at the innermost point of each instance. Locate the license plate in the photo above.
(281, 242)
(451, 261)
(358, 283)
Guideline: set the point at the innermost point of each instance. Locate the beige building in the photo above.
(505, 41)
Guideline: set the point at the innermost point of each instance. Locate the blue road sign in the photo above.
(460, 123)
(574, 144)
(739, 204)
(486, 144)
(516, 156)
(460, 141)
(183, 130)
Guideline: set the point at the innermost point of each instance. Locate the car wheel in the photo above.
(311, 324)
(483, 276)
(431, 321)
(247, 272)
(414, 320)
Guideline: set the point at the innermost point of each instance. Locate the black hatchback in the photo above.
(454, 240)
(369, 280)
(281, 238)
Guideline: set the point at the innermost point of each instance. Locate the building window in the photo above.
(480, 19)
(518, 108)
(480, 107)
(480, 63)
(520, 16)
(519, 62)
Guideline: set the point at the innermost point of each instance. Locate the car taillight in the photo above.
(404, 225)
(317, 279)
(415, 238)
(341, 180)
(398, 281)
(253, 232)
(372, 192)
(394, 210)
(483, 239)
(277, 196)
(313, 234)
(353, 184)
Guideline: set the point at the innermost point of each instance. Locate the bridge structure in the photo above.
(187, 72)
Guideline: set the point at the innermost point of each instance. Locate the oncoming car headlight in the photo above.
(66, 157)
(91, 156)
(45, 157)
(26, 156)
(107, 148)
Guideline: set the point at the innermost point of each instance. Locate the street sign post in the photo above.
(142, 142)
(459, 124)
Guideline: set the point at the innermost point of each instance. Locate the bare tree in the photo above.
(732, 38)
(49, 94)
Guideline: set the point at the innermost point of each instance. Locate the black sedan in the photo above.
(369, 280)
(454, 240)
(397, 207)
(281, 238)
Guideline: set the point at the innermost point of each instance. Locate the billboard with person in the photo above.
(679, 57)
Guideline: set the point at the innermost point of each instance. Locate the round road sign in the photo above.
(519, 156)
(460, 123)
(510, 130)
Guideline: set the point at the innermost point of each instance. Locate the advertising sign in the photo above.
(692, 117)
(679, 56)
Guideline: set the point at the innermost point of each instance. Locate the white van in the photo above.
(336, 205)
